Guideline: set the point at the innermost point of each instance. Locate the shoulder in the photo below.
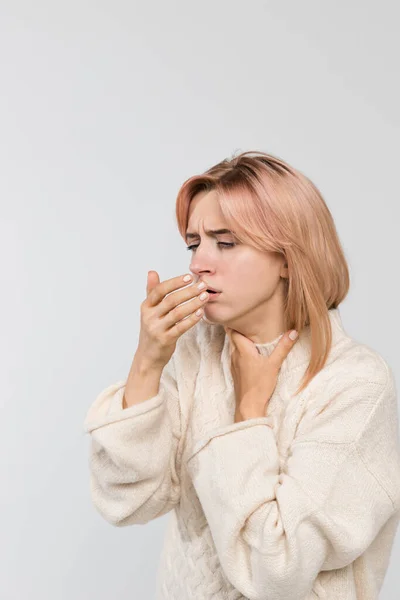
(356, 387)
(360, 363)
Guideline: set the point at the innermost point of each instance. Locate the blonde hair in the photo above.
(274, 207)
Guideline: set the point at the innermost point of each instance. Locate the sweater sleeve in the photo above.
(133, 455)
(276, 528)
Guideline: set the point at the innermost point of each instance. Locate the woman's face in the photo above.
(249, 280)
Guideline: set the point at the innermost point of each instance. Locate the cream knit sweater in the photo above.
(303, 503)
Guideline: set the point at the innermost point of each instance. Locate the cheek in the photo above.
(247, 273)
(250, 274)
(253, 283)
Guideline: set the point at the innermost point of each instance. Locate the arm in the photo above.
(142, 387)
(143, 383)
(275, 528)
(134, 451)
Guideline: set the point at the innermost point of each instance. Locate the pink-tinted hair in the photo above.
(273, 207)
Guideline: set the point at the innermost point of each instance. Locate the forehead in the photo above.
(205, 212)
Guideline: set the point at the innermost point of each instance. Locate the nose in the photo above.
(201, 263)
(199, 272)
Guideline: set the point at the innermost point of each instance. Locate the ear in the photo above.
(284, 272)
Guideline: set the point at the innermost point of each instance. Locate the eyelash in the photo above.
(225, 244)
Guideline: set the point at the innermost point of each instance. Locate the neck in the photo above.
(300, 354)
(267, 321)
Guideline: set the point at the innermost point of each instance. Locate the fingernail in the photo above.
(187, 278)
(293, 334)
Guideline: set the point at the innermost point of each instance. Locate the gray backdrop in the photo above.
(106, 108)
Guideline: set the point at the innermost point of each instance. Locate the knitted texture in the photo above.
(300, 504)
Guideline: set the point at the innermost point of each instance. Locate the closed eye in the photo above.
(224, 244)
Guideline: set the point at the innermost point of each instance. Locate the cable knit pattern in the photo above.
(301, 504)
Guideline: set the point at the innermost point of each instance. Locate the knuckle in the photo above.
(151, 296)
(168, 302)
(173, 332)
(172, 307)
(144, 317)
(175, 313)
(151, 330)
(168, 337)
(273, 364)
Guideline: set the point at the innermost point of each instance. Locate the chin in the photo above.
(204, 318)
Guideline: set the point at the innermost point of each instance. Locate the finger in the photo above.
(156, 290)
(153, 280)
(283, 348)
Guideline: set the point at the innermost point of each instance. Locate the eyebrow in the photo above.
(209, 232)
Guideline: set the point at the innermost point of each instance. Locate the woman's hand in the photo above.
(254, 375)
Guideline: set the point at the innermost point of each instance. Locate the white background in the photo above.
(105, 109)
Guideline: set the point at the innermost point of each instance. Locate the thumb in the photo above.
(152, 280)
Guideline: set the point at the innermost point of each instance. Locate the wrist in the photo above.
(143, 368)
(251, 415)
(250, 409)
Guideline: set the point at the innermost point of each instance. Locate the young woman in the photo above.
(278, 456)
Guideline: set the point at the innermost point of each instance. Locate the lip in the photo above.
(212, 297)
(208, 287)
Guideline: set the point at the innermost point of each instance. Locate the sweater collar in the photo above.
(301, 351)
